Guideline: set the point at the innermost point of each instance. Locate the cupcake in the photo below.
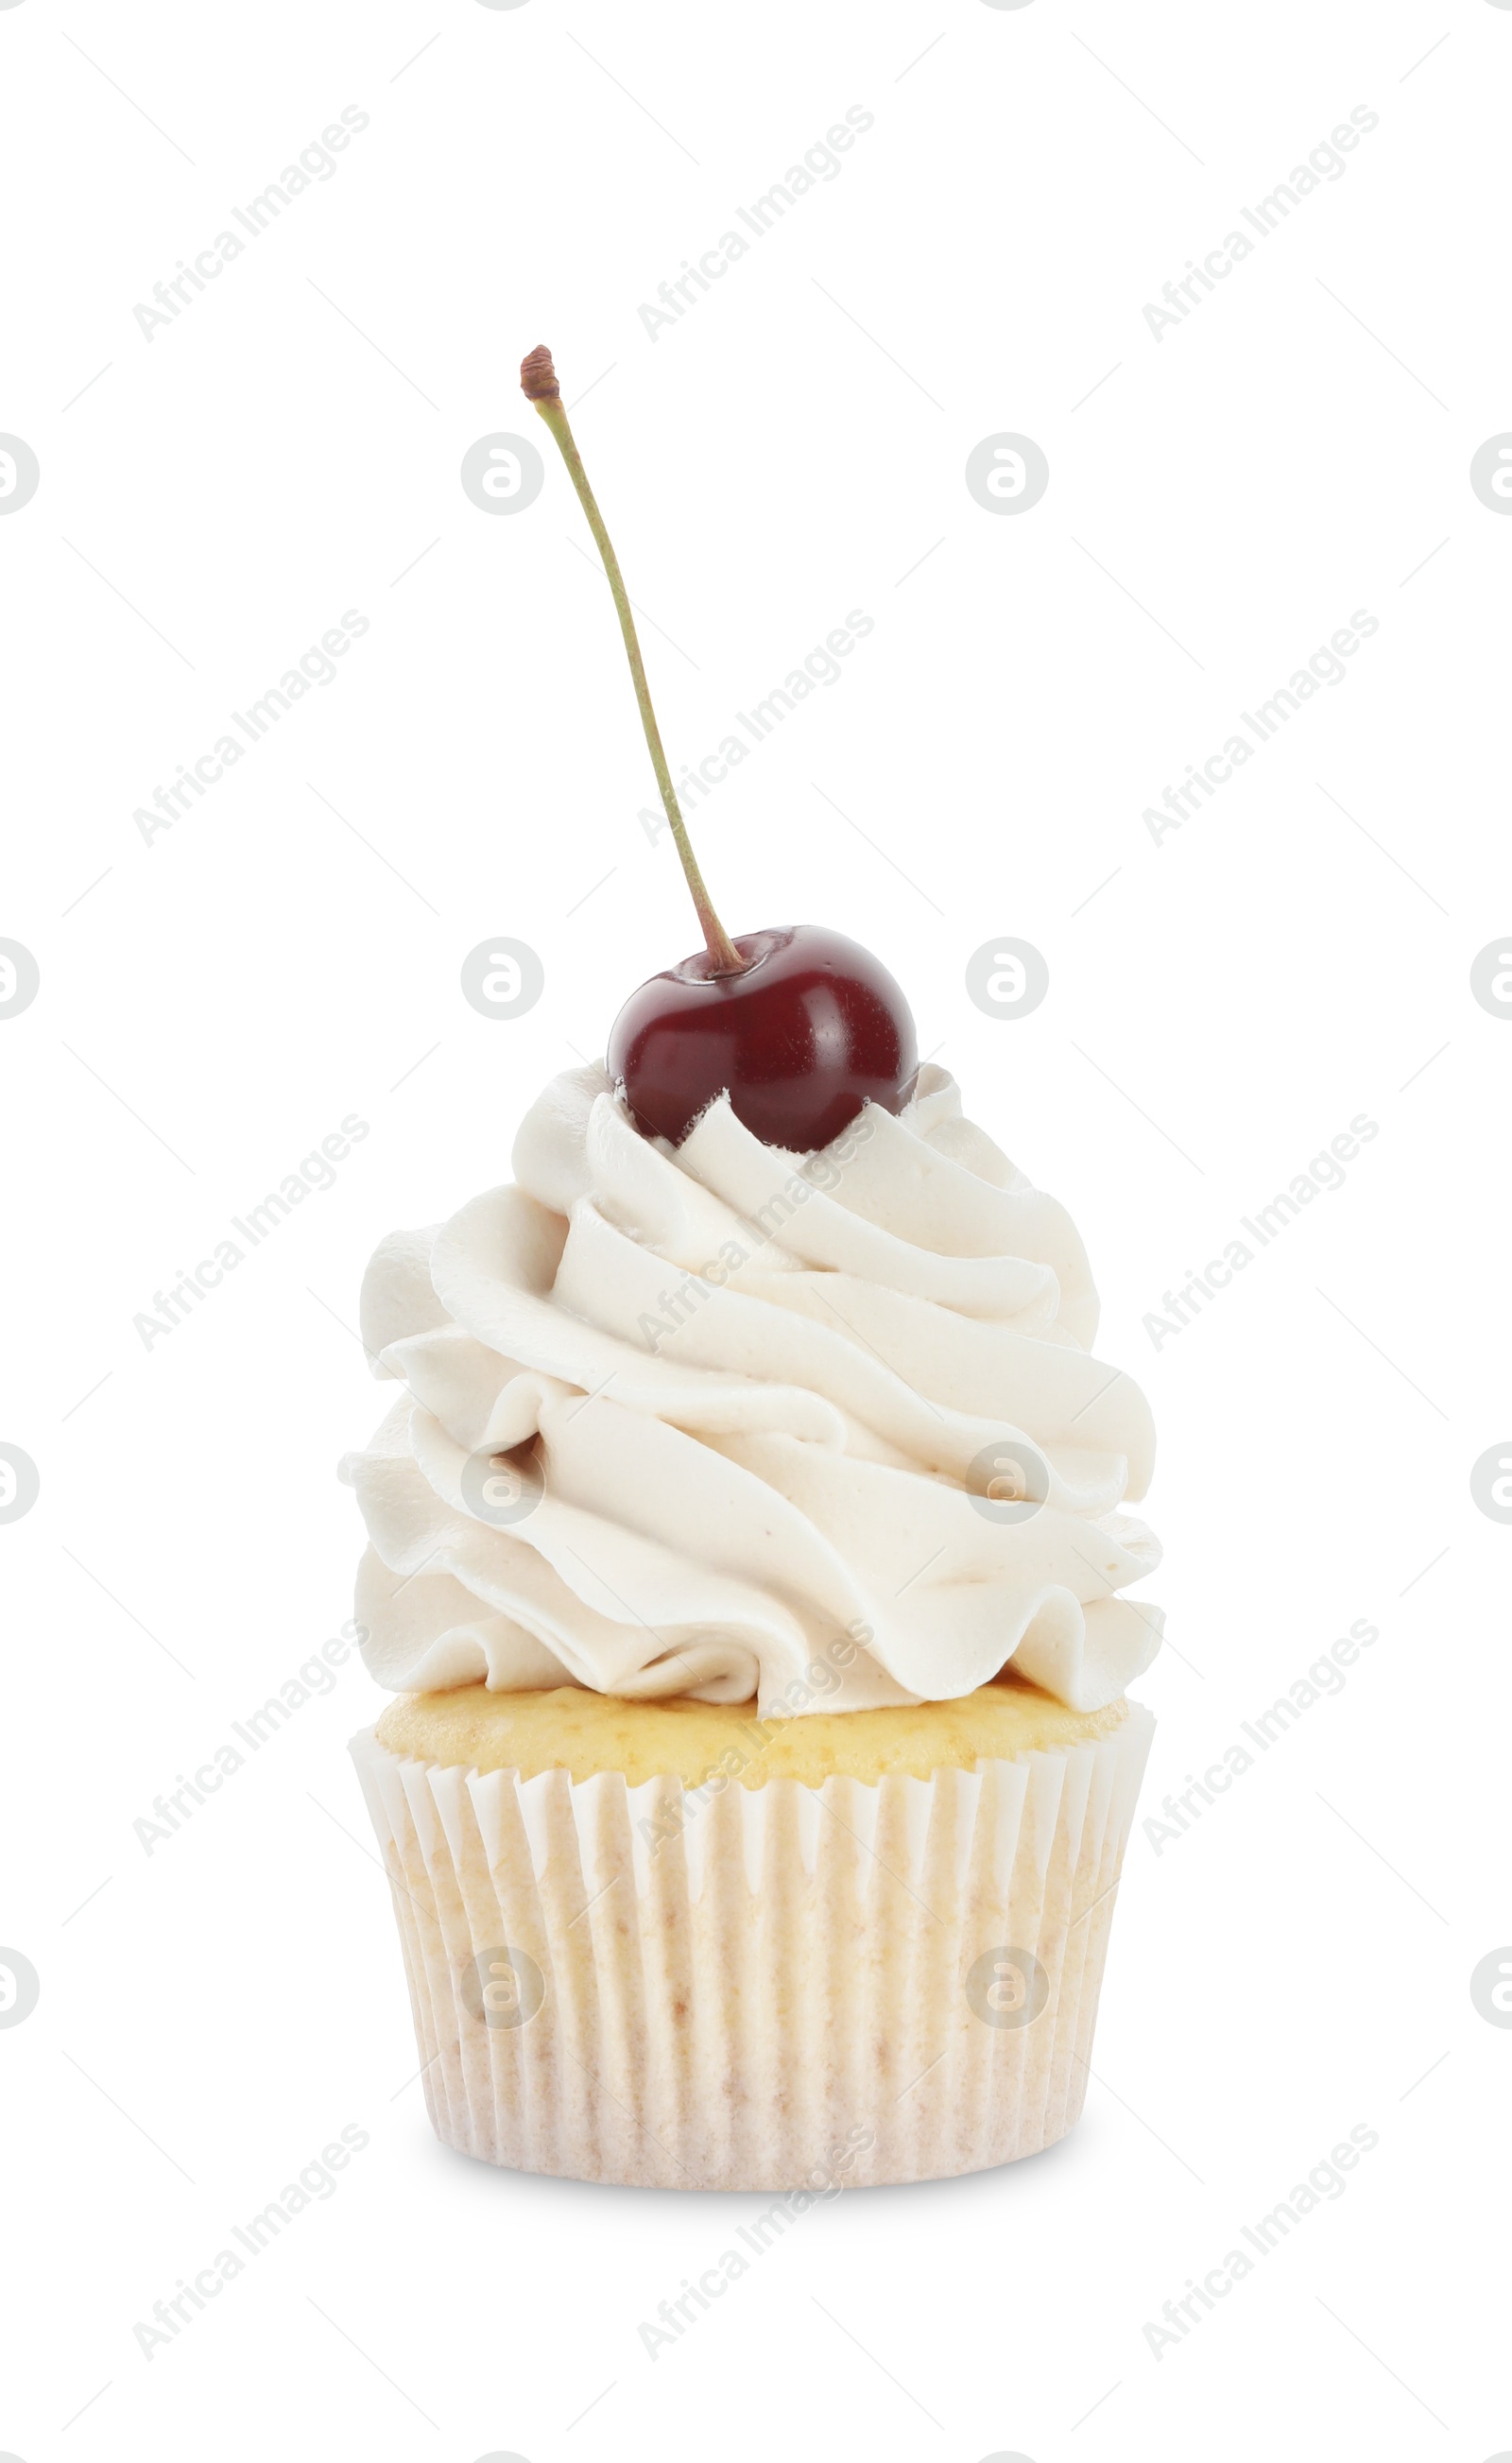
(747, 1559)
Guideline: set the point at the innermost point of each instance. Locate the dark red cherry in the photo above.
(800, 1027)
(813, 1027)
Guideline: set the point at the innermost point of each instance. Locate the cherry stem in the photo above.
(538, 382)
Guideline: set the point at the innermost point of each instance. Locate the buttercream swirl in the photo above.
(702, 1421)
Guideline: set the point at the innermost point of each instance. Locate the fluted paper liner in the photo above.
(719, 1991)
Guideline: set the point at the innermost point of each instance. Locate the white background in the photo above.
(213, 1003)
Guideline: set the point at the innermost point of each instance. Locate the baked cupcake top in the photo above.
(722, 1421)
(586, 1734)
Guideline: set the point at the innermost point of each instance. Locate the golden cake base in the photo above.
(789, 1976)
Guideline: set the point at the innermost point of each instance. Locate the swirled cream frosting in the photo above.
(724, 1421)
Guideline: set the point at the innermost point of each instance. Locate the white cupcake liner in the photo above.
(903, 1975)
